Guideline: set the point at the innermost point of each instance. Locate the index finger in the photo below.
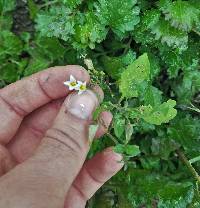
(21, 98)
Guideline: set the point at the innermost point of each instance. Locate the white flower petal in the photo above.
(77, 87)
(67, 83)
(79, 82)
(71, 87)
(72, 79)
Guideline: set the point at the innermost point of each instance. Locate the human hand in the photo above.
(44, 143)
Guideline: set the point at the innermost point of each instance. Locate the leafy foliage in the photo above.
(183, 15)
(121, 16)
(145, 56)
(133, 76)
(58, 22)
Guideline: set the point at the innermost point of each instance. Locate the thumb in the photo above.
(59, 158)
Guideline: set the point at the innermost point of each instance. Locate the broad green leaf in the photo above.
(172, 36)
(132, 150)
(129, 150)
(169, 194)
(152, 96)
(114, 66)
(159, 114)
(182, 14)
(121, 16)
(185, 130)
(142, 30)
(186, 88)
(119, 125)
(150, 163)
(119, 148)
(36, 65)
(129, 132)
(176, 61)
(58, 22)
(49, 48)
(89, 32)
(162, 146)
(133, 76)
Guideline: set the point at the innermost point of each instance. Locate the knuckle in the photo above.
(65, 139)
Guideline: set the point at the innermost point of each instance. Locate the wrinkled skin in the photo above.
(44, 142)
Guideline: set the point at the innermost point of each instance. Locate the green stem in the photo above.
(48, 3)
(127, 46)
(197, 32)
(188, 165)
(112, 138)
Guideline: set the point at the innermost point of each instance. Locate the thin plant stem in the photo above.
(188, 165)
(48, 3)
(112, 138)
(197, 32)
(127, 46)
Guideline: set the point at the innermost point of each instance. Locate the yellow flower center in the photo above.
(82, 87)
(73, 84)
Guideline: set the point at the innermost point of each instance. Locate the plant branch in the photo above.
(127, 46)
(197, 32)
(189, 166)
(112, 138)
(48, 3)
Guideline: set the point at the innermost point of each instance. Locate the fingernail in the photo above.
(82, 106)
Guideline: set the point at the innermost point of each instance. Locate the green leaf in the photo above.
(152, 96)
(57, 22)
(72, 3)
(121, 16)
(185, 130)
(159, 114)
(195, 159)
(133, 76)
(7, 5)
(114, 66)
(170, 35)
(182, 14)
(9, 72)
(132, 150)
(36, 65)
(186, 88)
(129, 150)
(89, 32)
(48, 48)
(119, 125)
(150, 163)
(10, 44)
(119, 148)
(169, 194)
(129, 132)
(163, 147)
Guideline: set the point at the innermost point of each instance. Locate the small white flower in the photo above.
(81, 87)
(72, 83)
